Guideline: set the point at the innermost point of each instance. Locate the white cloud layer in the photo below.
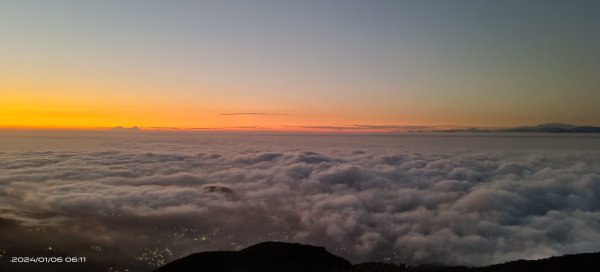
(369, 200)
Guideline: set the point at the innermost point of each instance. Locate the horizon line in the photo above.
(349, 128)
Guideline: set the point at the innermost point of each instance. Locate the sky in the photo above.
(290, 64)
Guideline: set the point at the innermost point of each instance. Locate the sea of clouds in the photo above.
(413, 199)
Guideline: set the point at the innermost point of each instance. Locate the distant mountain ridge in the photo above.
(554, 128)
(289, 257)
(541, 128)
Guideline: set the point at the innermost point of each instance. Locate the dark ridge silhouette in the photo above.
(577, 262)
(554, 128)
(263, 257)
(542, 128)
(288, 257)
(378, 267)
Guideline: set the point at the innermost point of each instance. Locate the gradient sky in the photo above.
(298, 63)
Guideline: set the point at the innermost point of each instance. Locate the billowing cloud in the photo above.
(368, 200)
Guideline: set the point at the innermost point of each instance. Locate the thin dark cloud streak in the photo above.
(253, 113)
(367, 127)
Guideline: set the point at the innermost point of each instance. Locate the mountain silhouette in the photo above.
(541, 128)
(289, 257)
(554, 127)
(263, 257)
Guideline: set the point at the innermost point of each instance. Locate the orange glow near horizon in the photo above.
(78, 116)
(289, 68)
(63, 103)
(49, 99)
(31, 107)
(91, 110)
(76, 113)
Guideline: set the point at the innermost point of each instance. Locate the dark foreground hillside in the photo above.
(277, 257)
(268, 256)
